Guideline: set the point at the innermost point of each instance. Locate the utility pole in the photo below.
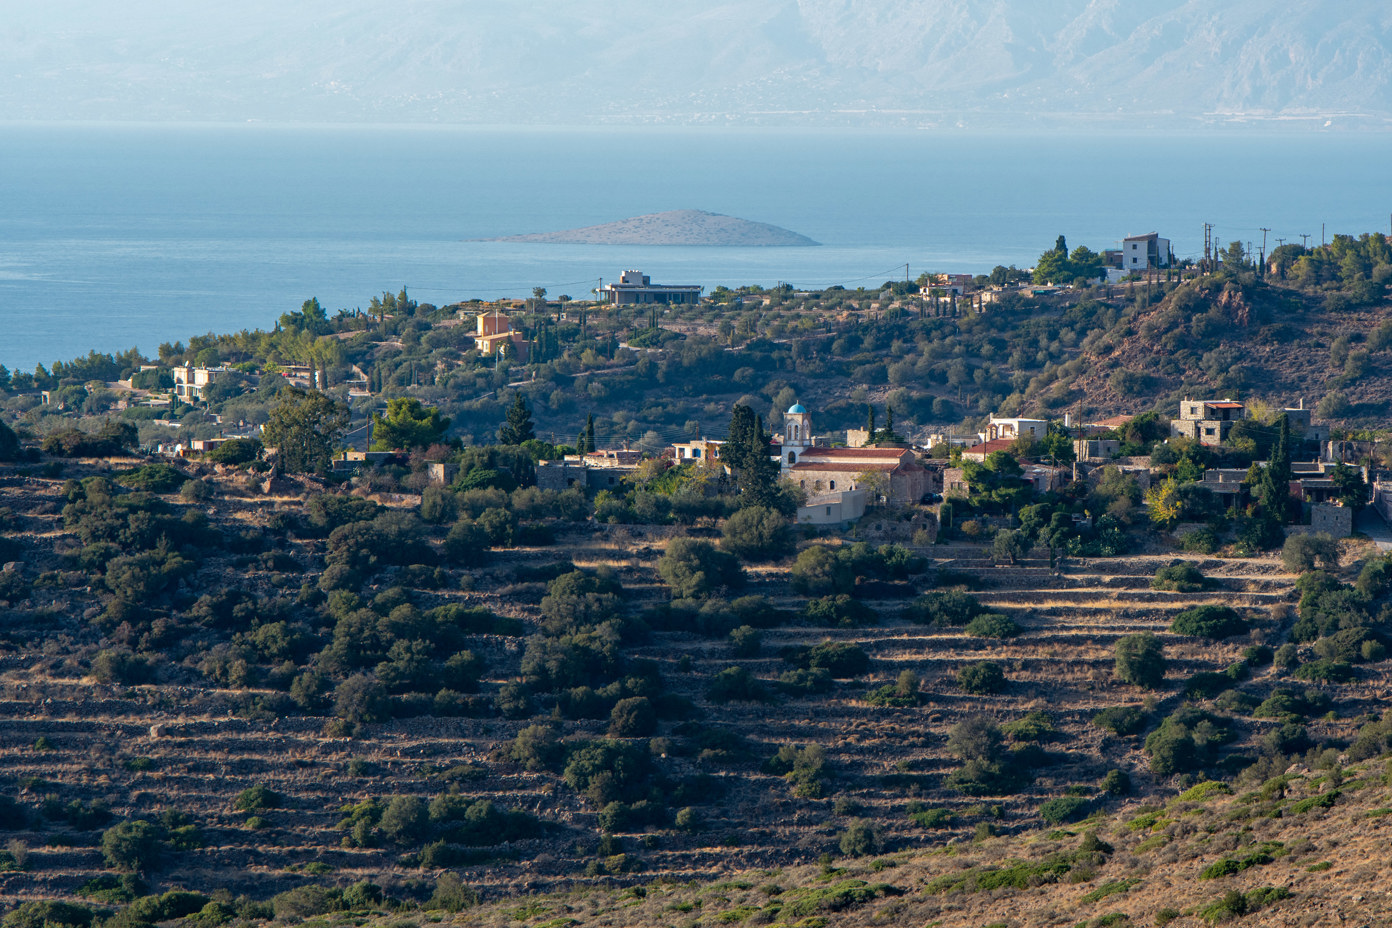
(1207, 248)
(1322, 241)
(1262, 267)
(1305, 240)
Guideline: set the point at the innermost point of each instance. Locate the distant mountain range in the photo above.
(920, 63)
(674, 227)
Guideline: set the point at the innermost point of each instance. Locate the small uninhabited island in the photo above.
(674, 227)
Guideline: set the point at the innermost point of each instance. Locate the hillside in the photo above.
(674, 227)
(265, 703)
(1304, 848)
(319, 693)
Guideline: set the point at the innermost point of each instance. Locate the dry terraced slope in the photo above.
(202, 745)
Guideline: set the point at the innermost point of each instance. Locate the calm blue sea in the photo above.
(120, 237)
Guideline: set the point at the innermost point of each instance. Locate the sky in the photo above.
(1317, 65)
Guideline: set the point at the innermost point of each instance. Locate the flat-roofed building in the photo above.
(1207, 421)
(636, 287)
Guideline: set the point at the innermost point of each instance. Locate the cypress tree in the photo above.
(1274, 490)
(589, 434)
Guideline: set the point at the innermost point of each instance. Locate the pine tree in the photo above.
(518, 427)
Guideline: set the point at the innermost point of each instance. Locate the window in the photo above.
(828, 510)
(833, 484)
(695, 452)
(792, 458)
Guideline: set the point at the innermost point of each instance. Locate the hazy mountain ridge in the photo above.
(900, 62)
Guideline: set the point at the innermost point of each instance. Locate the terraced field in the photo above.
(188, 746)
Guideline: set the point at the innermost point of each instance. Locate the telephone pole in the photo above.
(1207, 247)
(1304, 239)
(1262, 267)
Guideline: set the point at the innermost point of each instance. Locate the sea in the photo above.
(113, 237)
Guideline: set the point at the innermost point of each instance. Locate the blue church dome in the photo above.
(796, 410)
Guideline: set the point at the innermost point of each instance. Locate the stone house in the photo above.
(1207, 421)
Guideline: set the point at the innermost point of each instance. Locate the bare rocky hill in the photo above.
(673, 227)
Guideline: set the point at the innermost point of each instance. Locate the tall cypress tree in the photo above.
(589, 434)
(747, 453)
(1274, 491)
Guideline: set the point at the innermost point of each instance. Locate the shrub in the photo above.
(121, 667)
(1116, 783)
(1140, 660)
(982, 678)
(633, 718)
(153, 478)
(819, 571)
(987, 768)
(132, 847)
(1325, 671)
(608, 771)
(1302, 553)
(257, 798)
(1179, 577)
(838, 659)
(736, 684)
(943, 609)
(1209, 622)
(805, 767)
(305, 901)
(688, 820)
(903, 693)
(694, 569)
(467, 544)
(993, 625)
(537, 747)
(936, 817)
(404, 819)
(235, 452)
(860, 839)
(802, 682)
(746, 641)
(1186, 740)
(1122, 720)
(838, 611)
(48, 915)
(1062, 809)
(451, 894)
(758, 534)
(1034, 727)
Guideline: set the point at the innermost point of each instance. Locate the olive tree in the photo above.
(1140, 660)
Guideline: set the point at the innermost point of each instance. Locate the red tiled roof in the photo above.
(823, 452)
(1224, 405)
(847, 468)
(996, 444)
